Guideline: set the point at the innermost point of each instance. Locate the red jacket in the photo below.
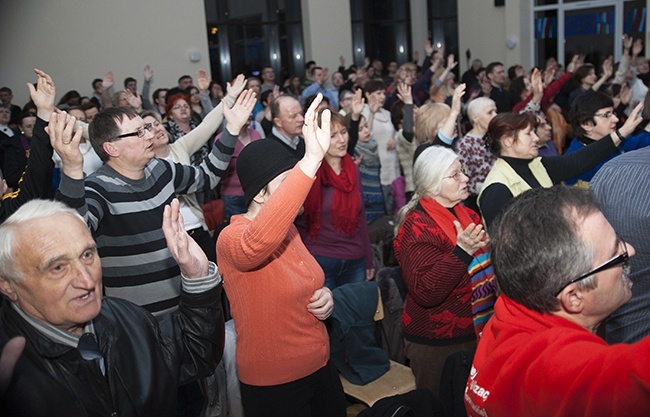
(533, 364)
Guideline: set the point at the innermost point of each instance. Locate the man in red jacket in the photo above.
(562, 271)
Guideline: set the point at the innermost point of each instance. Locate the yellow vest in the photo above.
(503, 173)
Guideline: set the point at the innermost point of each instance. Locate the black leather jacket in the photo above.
(145, 361)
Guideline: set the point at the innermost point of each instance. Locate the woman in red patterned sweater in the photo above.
(437, 238)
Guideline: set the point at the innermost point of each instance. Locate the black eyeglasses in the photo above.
(615, 261)
(139, 133)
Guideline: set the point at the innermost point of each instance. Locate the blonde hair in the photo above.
(429, 117)
(428, 172)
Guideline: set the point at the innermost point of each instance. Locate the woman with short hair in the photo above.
(512, 139)
(471, 149)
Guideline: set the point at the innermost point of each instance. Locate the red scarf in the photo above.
(444, 218)
(345, 204)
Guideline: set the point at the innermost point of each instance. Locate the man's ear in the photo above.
(7, 288)
(572, 299)
(111, 150)
(277, 122)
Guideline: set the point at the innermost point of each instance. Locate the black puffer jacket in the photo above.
(145, 361)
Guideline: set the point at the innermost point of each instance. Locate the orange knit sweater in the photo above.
(269, 277)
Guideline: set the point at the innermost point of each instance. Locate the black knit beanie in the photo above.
(259, 162)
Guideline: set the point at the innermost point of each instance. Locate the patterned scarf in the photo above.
(369, 152)
(345, 204)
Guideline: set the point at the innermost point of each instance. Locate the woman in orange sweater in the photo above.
(276, 287)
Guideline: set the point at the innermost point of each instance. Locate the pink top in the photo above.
(230, 184)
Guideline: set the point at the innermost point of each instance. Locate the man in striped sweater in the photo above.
(123, 201)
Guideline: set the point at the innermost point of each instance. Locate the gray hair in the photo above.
(32, 210)
(536, 246)
(477, 105)
(428, 172)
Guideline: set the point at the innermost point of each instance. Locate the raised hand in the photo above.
(202, 81)
(187, 253)
(107, 81)
(134, 100)
(472, 238)
(625, 94)
(459, 92)
(237, 117)
(537, 84)
(630, 124)
(317, 138)
(451, 62)
(574, 64)
(148, 73)
(404, 93)
(65, 141)
(235, 88)
(43, 95)
(321, 304)
(608, 68)
(357, 103)
(627, 42)
(548, 76)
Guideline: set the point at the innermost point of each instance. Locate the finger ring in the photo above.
(66, 143)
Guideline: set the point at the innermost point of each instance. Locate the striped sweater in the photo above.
(125, 217)
(437, 309)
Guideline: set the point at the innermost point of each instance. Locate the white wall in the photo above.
(76, 41)
(482, 29)
(419, 26)
(327, 32)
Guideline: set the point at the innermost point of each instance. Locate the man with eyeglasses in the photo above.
(562, 271)
(593, 119)
(123, 201)
(88, 355)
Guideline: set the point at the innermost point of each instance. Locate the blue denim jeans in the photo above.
(233, 204)
(342, 271)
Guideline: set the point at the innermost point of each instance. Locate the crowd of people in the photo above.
(501, 189)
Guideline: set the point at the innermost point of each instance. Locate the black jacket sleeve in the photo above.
(353, 135)
(493, 198)
(36, 181)
(561, 168)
